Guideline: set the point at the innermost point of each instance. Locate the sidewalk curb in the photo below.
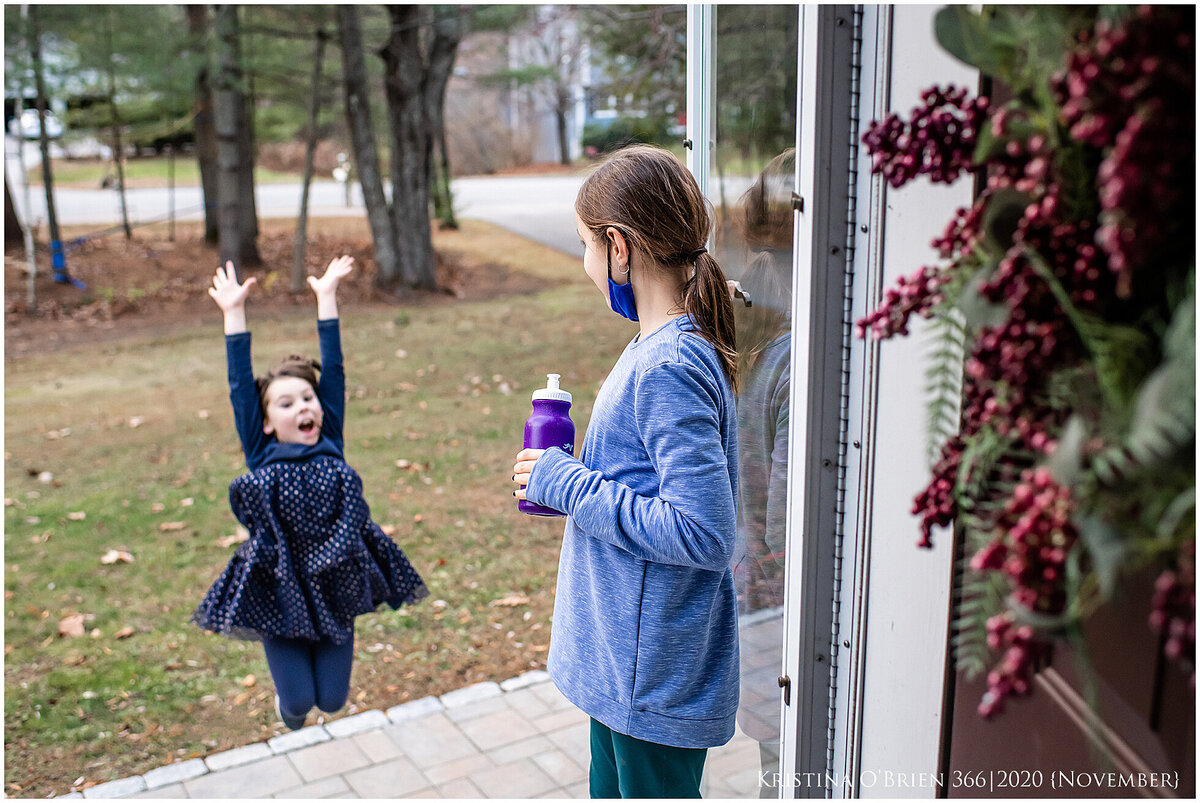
(191, 768)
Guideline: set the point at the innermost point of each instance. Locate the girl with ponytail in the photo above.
(645, 617)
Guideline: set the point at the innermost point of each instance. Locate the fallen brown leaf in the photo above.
(71, 625)
(124, 632)
(77, 515)
(509, 601)
(116, 556)
(238, 537)
(249, 681)
(168, 526)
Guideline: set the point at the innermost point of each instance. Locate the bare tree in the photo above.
(238, 222)
(549, 61)
(206, 135)
(314, 110)
(58, 255)
(362, 140)
(118, 149)
(416, 69)
(557, 37)
(418, 59)
(12, 223)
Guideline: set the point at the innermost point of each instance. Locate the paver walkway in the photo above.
(516, 739)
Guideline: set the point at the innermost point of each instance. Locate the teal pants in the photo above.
(624, 767)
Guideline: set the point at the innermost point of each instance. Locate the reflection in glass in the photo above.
(751, 182)
(764, 221)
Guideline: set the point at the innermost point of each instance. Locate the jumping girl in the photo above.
(645, 618)
(314, 559)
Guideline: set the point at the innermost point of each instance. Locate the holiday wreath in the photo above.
(1066, 439)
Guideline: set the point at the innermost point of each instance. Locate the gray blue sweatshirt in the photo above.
(645, 616)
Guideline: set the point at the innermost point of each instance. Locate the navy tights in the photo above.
(308, 673)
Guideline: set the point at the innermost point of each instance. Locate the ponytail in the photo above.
(648, 194)
(706, 301)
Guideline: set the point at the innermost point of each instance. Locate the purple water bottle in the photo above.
(550, 425)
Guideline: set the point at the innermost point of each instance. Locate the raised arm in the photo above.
(326, 287)
(332, 385)
(243, 393)
(231, 298)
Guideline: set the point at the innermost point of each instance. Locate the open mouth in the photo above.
(307, 426)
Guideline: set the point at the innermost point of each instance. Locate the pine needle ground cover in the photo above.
(118, 456)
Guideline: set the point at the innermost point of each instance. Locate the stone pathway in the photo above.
(516, 739)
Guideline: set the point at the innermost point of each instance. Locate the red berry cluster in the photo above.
(1129, 90)
(1036, 536)
(938, 141)
(962, 234)
(1013, 676)
(919, 293)
(1174, 609)
(936, 504)
(915, 294)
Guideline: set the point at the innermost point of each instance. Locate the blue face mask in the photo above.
(620, 296)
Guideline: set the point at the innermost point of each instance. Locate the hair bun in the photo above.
(299, 360)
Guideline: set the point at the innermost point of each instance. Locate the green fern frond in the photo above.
(943, 383)
(1163, 420)
(981, 599)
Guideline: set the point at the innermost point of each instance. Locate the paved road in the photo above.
(538, 207)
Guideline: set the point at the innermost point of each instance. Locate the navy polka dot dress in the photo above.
(314, 559)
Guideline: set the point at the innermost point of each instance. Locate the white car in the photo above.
(27, 125)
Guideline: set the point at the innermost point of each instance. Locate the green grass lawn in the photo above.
(147, 171)
(130, 446)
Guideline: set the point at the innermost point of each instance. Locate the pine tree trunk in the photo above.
(205, 133)
(118, 148)
(441, 67)
(12, 224)
(246, 200)
(314, 110)
(560, 118)
(227, 106)
(415, 82)
(58, 255)
(366, 154)
(404, 72)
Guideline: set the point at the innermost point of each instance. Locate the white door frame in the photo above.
(866, 613)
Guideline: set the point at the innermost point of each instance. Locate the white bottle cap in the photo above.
(552, 391)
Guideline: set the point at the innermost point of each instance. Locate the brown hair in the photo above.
(293, 365)
(765, 223)
(652, 199)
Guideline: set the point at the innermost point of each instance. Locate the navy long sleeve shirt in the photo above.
(262, 449)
